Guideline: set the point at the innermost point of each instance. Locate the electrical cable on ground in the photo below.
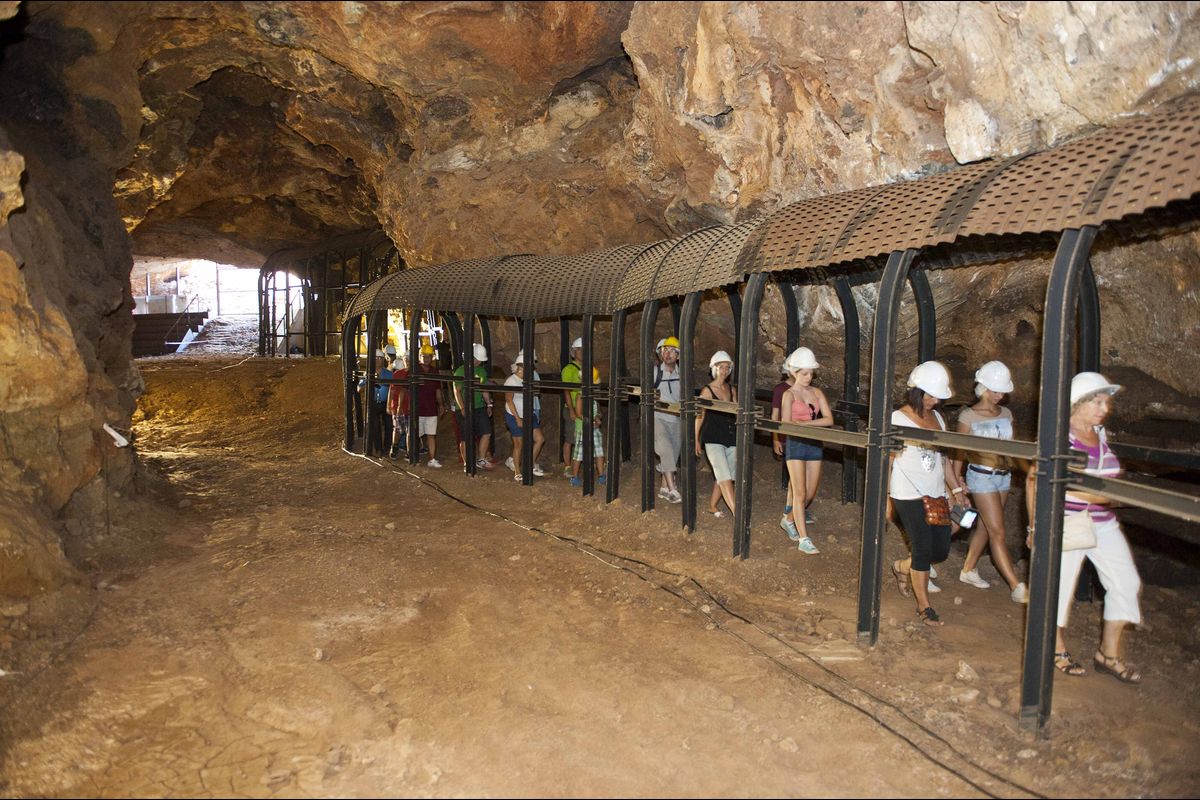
(598, 553)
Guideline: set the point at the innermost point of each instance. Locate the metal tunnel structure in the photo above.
(1144, 173)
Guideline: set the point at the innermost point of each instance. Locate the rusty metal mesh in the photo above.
(1128, 169)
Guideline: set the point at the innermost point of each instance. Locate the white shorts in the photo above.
(1118, 574)
(667, 440)
(427, 426)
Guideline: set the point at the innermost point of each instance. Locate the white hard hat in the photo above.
(577, 344)
(390, 349)
(519, 361)
(480, 352)
(719, 357)
(380, 354)
(1087, 383)
(801, 358)
(994, 377)
(931, 378)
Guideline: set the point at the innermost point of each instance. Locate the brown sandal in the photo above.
(1126, 673)
(1068, 666)
(930, 617)
(902, 580)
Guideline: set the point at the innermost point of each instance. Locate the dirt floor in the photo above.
(269, 615)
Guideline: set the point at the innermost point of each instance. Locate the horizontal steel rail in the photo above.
(1123, 490)
(1155, 455)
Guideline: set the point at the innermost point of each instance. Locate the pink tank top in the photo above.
(801, 410)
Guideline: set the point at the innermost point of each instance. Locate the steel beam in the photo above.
(747, 367)
(687, 408)
(414, 363)
(468, 394)
(527, 395)
(1089, 321)
(589, 447)
(850, 385)
(618, 417)
(883, 358)
(1058, 339)
(926, 316)
(646, 420)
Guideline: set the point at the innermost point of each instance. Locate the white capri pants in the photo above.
(666, 442)
(1118, 574)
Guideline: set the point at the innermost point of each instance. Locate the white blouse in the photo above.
(917, 471)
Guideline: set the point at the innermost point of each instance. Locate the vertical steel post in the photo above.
(588, 397)
(747, 366)
(676, 310)
(883, 356)
(1058, 338)
(926, 316)
(850, 387)
(373, 421)
(735, 308)
(414, 383)
(618, 409)
(1089, 321)
(646, 373)
(468, 393)
(526, 328)
(564, 357)
(287, 319)
(620, 369)
(791, 313)
(687, 408)
(349, 365)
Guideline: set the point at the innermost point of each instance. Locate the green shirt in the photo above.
(481, 376)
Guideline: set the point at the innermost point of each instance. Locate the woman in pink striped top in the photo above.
(1091, 402)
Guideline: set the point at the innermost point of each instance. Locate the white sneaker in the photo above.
(433, 462)
(664, 493)
(517, 477)
(1020, 594)
(538, 472)
(933, 587)
(675, 497)
(508, 462)
(933, 572)
(973, 578)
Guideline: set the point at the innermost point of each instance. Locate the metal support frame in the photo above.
(527, 388)
(414, 365)
(374, 430)
(791, 313)
(883, 357)
(619, 369)
(646, 354)
(618, 410)
(564, 358)
(850, 384)
(1088, 357)
(467, 408)
(735, 308)
(1058, 340)
(676, 310)
(926, 316)
(349, 376)
(747, 366)
(687, 408)
(588, 468)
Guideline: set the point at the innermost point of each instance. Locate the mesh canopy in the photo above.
(1141, 164)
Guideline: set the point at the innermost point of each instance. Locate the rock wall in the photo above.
(227, 131)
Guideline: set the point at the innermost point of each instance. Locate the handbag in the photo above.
(1078, 531)
(937, 511)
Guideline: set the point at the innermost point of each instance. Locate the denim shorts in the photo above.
(510, 422)
(983, 483)
(800, 450)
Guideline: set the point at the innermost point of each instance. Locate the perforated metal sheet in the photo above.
(634, 288)
(1128, 169)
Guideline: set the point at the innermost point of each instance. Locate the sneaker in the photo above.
(675, 497)
(568, 471)
(664, 493)
(483, 463)
(1020, 594)
(517, 477)
(807, 547)
(973, 578)
(576, 480)
(933, 572)
(538, 472)
(809, 519)
(433, 462)
(789, 528)
(933, 587)
(508, 462)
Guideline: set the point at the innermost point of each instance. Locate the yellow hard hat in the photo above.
(670, 341)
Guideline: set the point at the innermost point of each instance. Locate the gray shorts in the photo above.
(666, 443)
(723, 460)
